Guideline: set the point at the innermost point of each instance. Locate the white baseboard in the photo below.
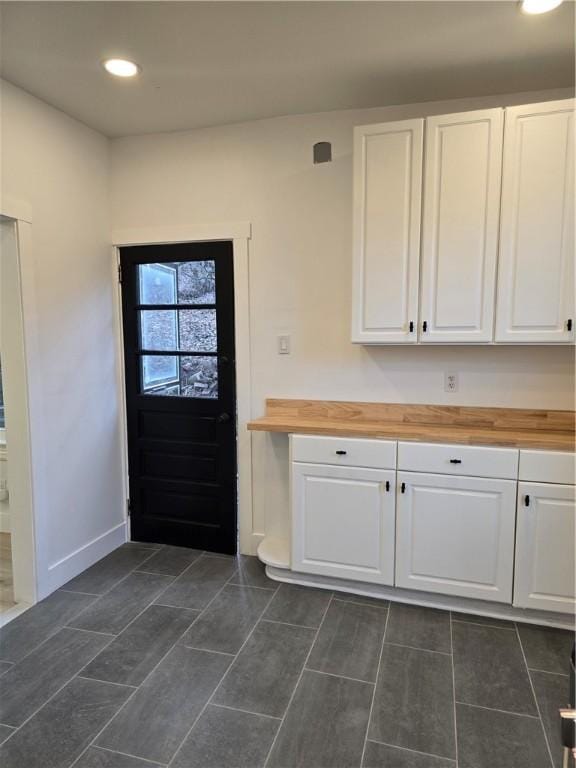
(76, 562)
(4, 522)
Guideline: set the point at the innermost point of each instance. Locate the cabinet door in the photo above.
(343, 522)
(460, 226)
(387, 198)
(455, 535)
(545, 547)
(536, 266)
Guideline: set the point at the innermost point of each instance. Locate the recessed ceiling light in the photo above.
(539, 6)
(121, 67)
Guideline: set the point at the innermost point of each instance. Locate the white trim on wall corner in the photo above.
(76, 562)
(239, 233)
(20, 210)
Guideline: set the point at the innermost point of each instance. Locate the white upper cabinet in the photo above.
(460, 226)
(536, 270)
(387, 199)
(494, 196)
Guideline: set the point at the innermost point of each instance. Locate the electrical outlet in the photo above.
(450, 382)
(284, 345)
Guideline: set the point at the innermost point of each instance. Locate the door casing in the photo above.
(239, 233)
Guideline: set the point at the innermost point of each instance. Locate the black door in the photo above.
(178, 317)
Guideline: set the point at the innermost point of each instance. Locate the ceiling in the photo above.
(211, 63)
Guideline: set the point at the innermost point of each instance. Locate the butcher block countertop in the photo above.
(503, 427)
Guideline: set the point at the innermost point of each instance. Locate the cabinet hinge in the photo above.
(120, 273)
(128, 507)
(526, 500)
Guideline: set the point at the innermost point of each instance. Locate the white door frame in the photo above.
(239, 233)
(22, 396)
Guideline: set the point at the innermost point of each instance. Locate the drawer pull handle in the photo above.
(387, 485)
(569, 324)
(403, 488)
(341, 453)
(526, 500)
(411, 326)
(455, 461)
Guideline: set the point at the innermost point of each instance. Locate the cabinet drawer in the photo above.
(344, 451)
(475, 461)
(547, 467)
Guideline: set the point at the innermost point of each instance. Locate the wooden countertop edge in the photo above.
(541, 440)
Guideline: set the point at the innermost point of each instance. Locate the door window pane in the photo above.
(191, 376)
(188, 330)
(158, 370)
(159, 330)
(158, 283)
(186, 282)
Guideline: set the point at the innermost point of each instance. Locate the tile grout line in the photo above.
(126, 754)
(416, 648)
(152, 602)
(414, 751)
(453, 688)
(133, 570)
(493, 709)
(209, 700)
(534, 695)
(133, 693)
(288, 624)
(547, 672)
(49, 699)
(481, 624)
(246, 711)
(370, 711)
(313, 643)
(112, 638)
(342, 677)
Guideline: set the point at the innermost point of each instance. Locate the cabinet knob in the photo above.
(341, 453)
(223, 418)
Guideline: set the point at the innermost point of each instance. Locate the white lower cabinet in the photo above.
(455, 535)
(343, 522)
(545, 534)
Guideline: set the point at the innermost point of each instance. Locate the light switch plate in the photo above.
(284, 345)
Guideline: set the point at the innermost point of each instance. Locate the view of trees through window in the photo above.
(185, 330)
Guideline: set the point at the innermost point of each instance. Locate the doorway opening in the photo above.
(17, 547)
(179, 359)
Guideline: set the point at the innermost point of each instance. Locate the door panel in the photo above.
(536, 265)
(455, 535)
(178, 317)
(343, 522)
(545, 535)
(387, 199)
(460, 226)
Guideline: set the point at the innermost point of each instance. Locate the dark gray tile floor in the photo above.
(160, 656)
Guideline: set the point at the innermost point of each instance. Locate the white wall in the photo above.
(60, 168)
(300, 270)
